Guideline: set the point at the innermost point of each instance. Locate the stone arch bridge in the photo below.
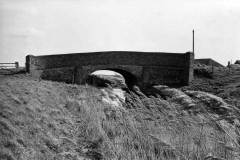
(143, 68)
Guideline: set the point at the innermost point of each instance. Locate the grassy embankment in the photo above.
(51, 120)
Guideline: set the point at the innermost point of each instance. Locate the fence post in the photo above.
(16, 64)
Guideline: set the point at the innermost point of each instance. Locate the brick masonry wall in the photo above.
(152, 67)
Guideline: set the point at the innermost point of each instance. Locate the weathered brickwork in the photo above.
(148, 67)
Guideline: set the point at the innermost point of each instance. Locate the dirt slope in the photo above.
(51, 120)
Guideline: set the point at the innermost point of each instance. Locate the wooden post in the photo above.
(16, 64)
(193, 49)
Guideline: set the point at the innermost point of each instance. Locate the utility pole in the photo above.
(193, 49)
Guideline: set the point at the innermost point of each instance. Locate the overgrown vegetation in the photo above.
(51, 120)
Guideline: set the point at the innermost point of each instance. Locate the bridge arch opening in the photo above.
(128, 77)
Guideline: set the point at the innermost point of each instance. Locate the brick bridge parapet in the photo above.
(150, 68)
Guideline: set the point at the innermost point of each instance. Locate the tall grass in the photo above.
(49, 120)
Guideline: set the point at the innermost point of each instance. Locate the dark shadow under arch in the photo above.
(130, 79)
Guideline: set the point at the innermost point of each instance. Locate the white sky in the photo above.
(64, 26)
